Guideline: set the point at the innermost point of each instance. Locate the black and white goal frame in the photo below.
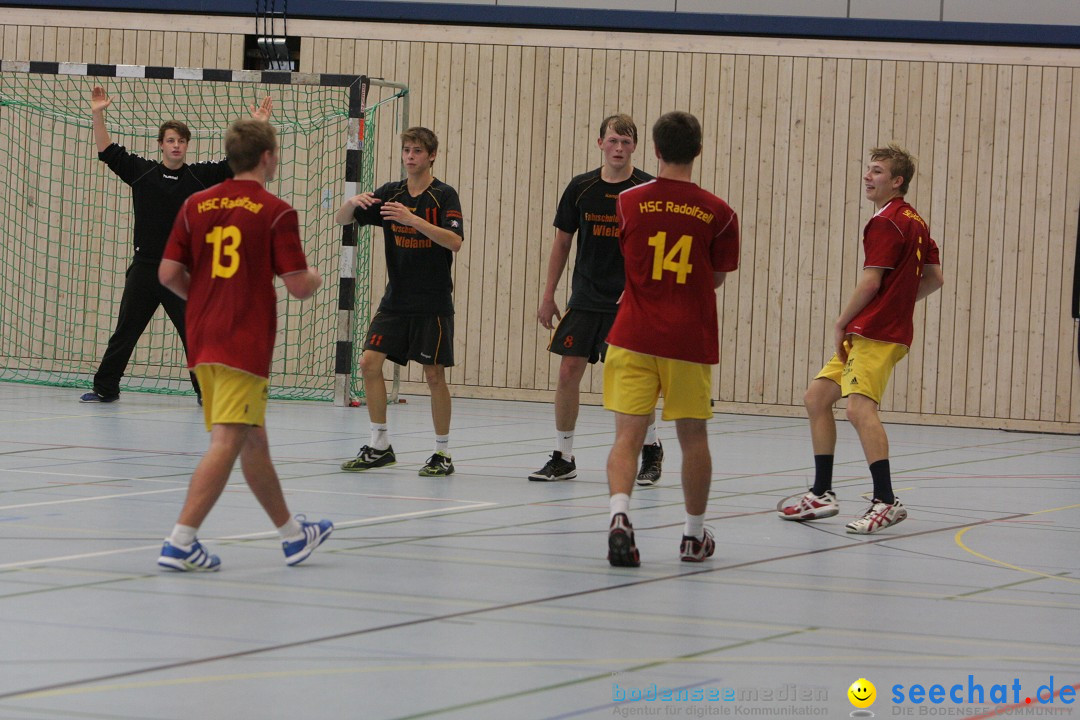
(358, 87)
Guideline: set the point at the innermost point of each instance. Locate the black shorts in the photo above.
(425, 339)
(582, 333)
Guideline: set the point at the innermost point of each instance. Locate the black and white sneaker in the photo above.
(652, 461)
(557, 468)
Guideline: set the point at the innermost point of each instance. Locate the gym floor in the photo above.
(483, 595)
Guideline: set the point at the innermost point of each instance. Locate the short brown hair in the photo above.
(422, 137)
(176, 125)
(677, 137)
(901, 162)
(246, 141)
(620, 124)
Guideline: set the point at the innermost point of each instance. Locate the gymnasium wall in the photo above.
(788, 122)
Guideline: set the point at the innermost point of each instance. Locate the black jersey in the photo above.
(587, 207)
(417, 268)
(158, 192)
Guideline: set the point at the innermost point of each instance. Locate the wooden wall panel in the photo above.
(996, 133)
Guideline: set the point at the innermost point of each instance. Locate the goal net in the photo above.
(67, 220)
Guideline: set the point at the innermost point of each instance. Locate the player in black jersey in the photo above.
(422, 229)
(587, 208)
(158, 189)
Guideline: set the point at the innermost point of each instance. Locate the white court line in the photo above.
(354, 523)
(271, 533)
(93, 499)
(27, 471)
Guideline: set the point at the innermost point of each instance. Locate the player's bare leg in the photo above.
(371, 366)
(212, 473)
(568, 392)
(862, 412)
(819, 399)
(622, 460)
(435, 375)
(696, 464)
(262, 478)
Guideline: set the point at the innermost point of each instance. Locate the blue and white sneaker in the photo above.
(297, 551)
(194, 559)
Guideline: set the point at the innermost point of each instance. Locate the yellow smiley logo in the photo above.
(862, 693)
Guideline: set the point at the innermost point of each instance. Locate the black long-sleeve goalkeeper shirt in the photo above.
(157, 194)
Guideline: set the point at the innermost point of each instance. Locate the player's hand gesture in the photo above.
(99, 100)
(399, 213)
(548, 310)
(262, 112)
(363, 200)
(841, 342)
(345, 215)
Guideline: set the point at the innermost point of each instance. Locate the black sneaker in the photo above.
(622, 552)
(652, 460)
(438, 465)
(93, 397)
(369, 458)
(557, 468)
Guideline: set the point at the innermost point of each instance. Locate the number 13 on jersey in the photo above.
(664, 259)
(225, 241)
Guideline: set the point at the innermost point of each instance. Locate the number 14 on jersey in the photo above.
(664, 259)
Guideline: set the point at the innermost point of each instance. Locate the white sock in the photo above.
(380, 436)
(619, 503)
(695, 526)
(564, 443)
(291, 531)
(182, 536)
(650, 435)
(442, 444)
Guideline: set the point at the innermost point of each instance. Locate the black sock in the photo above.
(882, 482)
(822, 474)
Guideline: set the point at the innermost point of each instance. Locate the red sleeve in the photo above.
(725, 246)
(933, 257)
(881, 243)
(620, 220)
(178, 247)
(285, 239)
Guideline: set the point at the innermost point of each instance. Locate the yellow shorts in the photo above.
(633, 382)
(868, 368)
(232, 396)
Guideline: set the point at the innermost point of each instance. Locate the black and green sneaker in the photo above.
(369, 458)
(438, 465)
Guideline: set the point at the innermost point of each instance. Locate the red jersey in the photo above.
(673, 237)
(897, 240)
(234, 238)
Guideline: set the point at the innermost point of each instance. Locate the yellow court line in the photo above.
(960, 541)
(380, 667)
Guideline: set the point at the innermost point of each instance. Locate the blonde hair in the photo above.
(246, 141)
(901, 163)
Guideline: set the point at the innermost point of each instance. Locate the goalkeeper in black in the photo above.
(158, 189)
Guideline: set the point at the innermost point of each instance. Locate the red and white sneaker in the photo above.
(878, 517)
(693, 550)
(622, 552)
(811, 507)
